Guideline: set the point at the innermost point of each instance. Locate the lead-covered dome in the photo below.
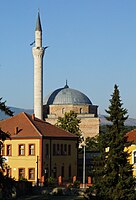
(66, 95)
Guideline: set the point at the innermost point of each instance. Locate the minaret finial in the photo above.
(66, 86)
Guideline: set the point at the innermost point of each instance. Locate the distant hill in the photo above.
(16, 111)
(103, 121)
(128, 122)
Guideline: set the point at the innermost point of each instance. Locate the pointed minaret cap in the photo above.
(38, 23)
(66, 86)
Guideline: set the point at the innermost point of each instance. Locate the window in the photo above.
(8, 171)
(47, 149)
(54, 149)
(9, 153)
(31, 149)
(54, 172)
(134, 157)
(63, 110)
(65, 149)
(81, 110)
(31, 174)
(21, 173)
(58, 149)
(62, 171)
(21, 150)
(69, 149)
(2, 152)
(69, 171)
(61, 149)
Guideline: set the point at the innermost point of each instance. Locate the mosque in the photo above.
(62, 99)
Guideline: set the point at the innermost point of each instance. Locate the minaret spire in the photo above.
(38, 53)
(38, 24)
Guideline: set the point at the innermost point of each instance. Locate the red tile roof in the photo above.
(25, 125)
(132, 135)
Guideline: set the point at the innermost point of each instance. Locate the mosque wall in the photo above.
(89, 122)
(59, 110)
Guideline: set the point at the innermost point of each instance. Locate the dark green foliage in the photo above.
(76, 184)
(92, 143)
(4, 108)
(70, 123)
(5, 182)
(113, 173)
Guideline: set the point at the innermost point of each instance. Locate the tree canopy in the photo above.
(113, 172)
(3, 135)
(70, 123)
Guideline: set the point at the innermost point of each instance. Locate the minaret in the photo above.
(38, 53)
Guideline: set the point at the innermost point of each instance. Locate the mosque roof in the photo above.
(66, 95)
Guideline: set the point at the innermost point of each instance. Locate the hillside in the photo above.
(103, 121)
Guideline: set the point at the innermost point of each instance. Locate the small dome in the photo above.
(66, 95)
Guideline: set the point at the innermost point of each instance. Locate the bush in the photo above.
(50, 182)
(76, 184)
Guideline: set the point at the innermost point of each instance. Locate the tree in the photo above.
(4, 108)
(92, 143)
(114, 176)
(70, 123)
(3, 136)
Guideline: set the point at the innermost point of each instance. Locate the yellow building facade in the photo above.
(132, 149)
(38, 150)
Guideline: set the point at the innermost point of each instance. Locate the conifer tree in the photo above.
(114, 176)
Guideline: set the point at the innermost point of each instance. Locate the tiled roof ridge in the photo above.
(28, 117)
(72, 134)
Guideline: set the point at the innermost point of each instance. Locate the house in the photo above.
(38, 150)
(132, 149)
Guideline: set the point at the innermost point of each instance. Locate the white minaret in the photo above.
(38, 53)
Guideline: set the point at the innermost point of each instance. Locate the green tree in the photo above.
(92, 143)
(114, 176)
(70, 123)
(3, 135)
(4, 108)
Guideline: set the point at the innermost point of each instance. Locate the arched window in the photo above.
(63, 110)
(81, 110)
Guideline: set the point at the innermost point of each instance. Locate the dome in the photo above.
(66, 95)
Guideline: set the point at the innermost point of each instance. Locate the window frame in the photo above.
(19, 150)
(47, 150)
(19, 177)
(30, 150)
(29, 174)
(9, 151)
(69, 149)
(2, 152)
(54, 149)
(8, 172)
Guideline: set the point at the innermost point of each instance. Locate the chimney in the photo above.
(33, 116)
(16, 130)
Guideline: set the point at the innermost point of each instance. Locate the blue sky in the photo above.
(92, 45)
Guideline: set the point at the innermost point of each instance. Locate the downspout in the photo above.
(50, 157)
